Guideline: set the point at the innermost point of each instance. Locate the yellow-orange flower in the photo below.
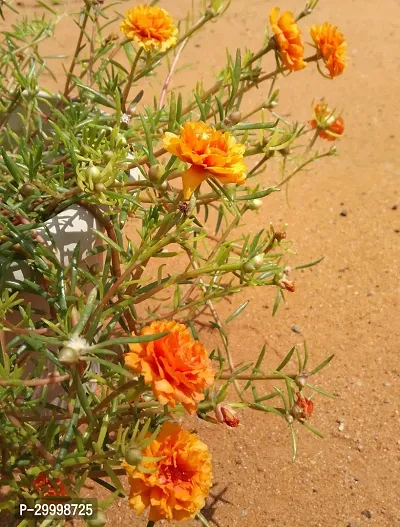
(176, 366)
(210, 152)
(150, 26)
(287, 35)
(331, 127)
(331, 46)
(178, 487)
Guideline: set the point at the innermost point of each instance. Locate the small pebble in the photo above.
(296, 329)
(344, 212)
(395, 207)
(386, 383)
(341, 427)
(370, 293)
(397, 230)
(367, 513)
(243, 513)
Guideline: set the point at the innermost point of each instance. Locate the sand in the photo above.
(347, 305)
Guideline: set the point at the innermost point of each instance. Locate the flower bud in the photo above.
(257, 261)
(301, 379)
(289, 418)
(230, 189)
(27, 190)
(121, 141)
(99, 519)
(254, 204)
(225, 414)
(72, 350)
(133, 456)
(156, 172)
(93, 174)
(100, 187)
(234, 117)
(68, 356)
(107, 155)
(248, 267)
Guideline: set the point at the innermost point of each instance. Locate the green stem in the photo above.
(77, 50)
(130, 79)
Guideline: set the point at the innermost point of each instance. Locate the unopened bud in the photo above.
(99, 519)
(257, 261)
(301, 379)
(100, 187)
(234, 117)
(254, 204)
(68, 356)
(107, 155)
(27, 190)
(156, 172)
(93, 173)
(72, 350)
(133, 456)
(248, 267)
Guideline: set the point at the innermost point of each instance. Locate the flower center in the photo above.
(174, 475)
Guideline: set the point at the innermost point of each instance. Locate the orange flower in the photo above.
(180, 483)
(303, 408)
(331, 127)
(176, 366)
(332, 47)
(211, 153)
(150, 26)
(47, 487)
(287, 36)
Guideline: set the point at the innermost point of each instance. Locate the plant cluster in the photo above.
(97, 360)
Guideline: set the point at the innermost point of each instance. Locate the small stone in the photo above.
(295, 329)
(397, 230)
(243, 513)
(344, 212)
(341, 427)
(395, 207)
(386, 383)
(370, 293)
(367, 513)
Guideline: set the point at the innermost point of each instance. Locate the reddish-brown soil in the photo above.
(347, 305)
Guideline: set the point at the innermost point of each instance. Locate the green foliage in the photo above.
(68, 406)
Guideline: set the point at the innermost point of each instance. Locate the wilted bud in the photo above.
(254, 204)
(99, 519)
(27, 190)
(133, 456)
(156, 172)
(5, 491)
(303, 407)
(279, 235)
(225, 414)
(287, 284)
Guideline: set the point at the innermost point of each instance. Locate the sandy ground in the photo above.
(347, 305)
